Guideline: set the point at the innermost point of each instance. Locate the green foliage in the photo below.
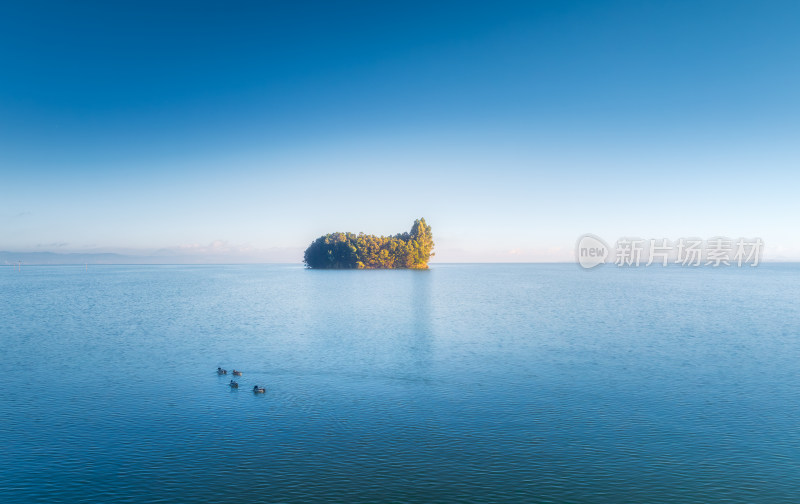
(362, 251)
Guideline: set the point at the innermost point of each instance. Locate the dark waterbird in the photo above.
(237, 373)
(259, 390)
(234, 384)
(221, 371)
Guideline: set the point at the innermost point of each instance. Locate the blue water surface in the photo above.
(464, 383)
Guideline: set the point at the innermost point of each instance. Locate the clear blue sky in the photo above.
(249, 128)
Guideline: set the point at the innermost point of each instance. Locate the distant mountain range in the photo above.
(44, 258)
(74, 258)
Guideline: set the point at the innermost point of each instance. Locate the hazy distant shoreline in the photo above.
(75, 258)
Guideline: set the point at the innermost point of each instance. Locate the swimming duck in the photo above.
(234, 384)
(259, 390)
(237, 373)
(221, 371)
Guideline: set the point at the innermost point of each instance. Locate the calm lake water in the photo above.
(464, 383)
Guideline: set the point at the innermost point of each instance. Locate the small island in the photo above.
(361, 251)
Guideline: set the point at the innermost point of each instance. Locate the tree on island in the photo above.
(362, 251)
